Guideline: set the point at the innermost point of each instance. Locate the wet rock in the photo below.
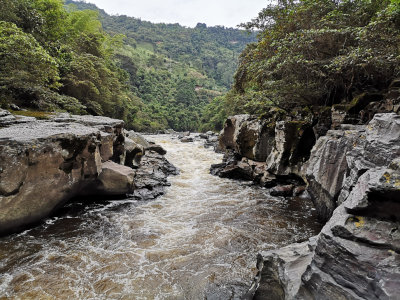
(156, 148)
(240, 170)
(211, 141)
(281, 270)
(151, 176)
(186, 139)
(243, 169)
(203, 136)
(298, 190)
(268, 180)
(183, 134)
(114, 179)
(282, 190)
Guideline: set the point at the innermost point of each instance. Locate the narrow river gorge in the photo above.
(198, 241)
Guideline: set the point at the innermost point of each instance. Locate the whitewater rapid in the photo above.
(198, 241)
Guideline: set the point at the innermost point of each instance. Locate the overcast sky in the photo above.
(186, 12)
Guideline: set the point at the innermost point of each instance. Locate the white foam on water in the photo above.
(203, 234)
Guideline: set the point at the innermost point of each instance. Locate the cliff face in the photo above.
(356, 255)
(43, 164)
(352, 175)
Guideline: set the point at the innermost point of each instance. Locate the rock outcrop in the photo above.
(265, 151)
(351, 171)
(280, 270)
(342, 156)
(274, 151)
(356, 255)
(43, 164)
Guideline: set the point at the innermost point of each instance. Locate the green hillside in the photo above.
(210, 50)
(175, 70)
(314, 54)
(74, 57)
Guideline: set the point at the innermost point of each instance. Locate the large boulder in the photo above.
(151, 176)
(43, 164)
(114, 179)
(137, 138)
(281, 270)
(133, 153)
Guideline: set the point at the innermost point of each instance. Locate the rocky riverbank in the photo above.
(45, 163)
(352, 174)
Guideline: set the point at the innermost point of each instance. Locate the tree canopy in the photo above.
(317, 52)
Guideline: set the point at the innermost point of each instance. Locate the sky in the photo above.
(228, 13)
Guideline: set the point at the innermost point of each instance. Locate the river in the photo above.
(198, 241)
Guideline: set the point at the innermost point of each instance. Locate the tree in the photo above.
(23, 60)
(319, 53)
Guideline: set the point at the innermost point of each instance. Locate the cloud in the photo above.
(228, 13)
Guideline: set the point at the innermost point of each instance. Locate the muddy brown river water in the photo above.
(198, 241)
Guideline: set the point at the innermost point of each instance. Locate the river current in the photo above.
(198, 241)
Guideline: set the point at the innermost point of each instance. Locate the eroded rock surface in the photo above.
(43, 164)
(357, 253)
(339, 158)
(151, 176)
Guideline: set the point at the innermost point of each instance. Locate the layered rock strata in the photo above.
(356, 255)
(43, 164)
(352, 174)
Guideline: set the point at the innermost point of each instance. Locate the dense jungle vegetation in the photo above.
(314, 53)
(71, 56)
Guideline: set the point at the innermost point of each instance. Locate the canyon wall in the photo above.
(348, 163)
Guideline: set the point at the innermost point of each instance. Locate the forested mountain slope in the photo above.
(58, 56)
(315, 55)
(211, 50)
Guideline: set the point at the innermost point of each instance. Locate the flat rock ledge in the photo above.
(43, 164)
